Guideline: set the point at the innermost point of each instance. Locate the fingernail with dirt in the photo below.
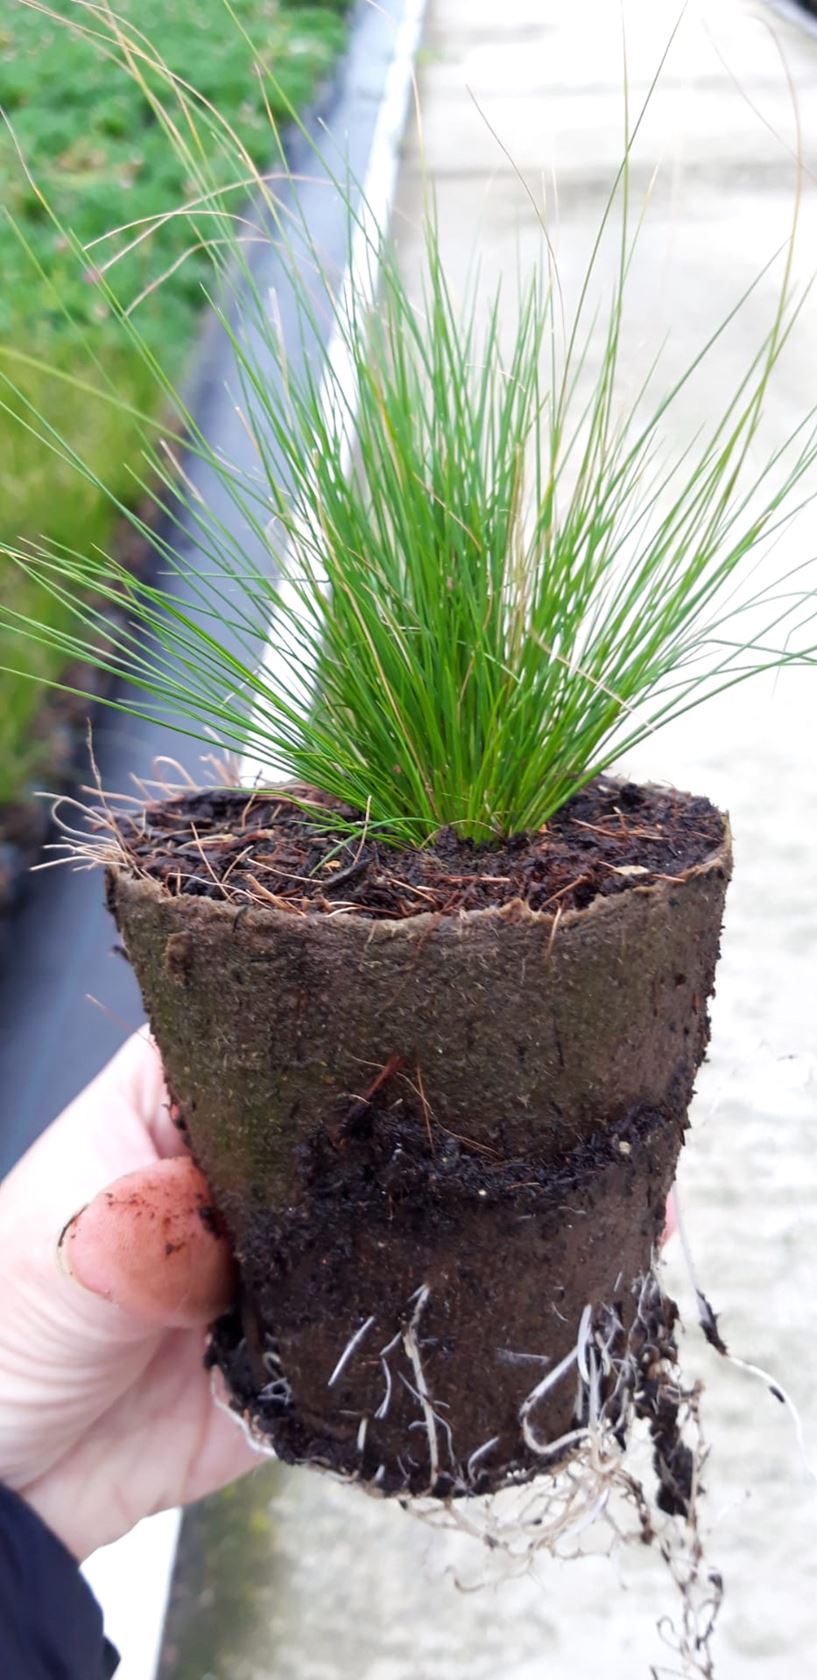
(64, 1244)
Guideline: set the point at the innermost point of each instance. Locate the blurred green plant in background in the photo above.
(82, 136)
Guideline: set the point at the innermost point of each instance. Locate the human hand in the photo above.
(106, 1411)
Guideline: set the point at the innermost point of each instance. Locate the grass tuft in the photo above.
(504, 584)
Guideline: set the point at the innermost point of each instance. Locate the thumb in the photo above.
(151, 1245)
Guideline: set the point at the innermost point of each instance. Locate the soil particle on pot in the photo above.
(610, 837)
(660, 1403)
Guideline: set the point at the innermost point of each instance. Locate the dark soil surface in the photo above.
(611, 836)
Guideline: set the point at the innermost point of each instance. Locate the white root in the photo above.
(412, 1347)
(708, 1323)
(443, 1424)
(581, 1342)
(585, 1476)
(260, 1446)
(353, 1343)
(548, 1382)
(478, 1454)
(558, 1447)
(782, 1394)
(383, 1408)
(507, 1356)
(278, 1389)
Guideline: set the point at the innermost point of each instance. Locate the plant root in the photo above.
(627, 1384)
(630, 1395)
(708, 1321)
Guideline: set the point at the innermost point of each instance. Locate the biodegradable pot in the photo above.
(434, 1142)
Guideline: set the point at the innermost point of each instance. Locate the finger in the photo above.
(152, 1245)
(118, 1124)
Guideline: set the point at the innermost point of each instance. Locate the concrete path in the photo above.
(322, 1584)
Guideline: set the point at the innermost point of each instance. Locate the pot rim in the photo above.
(516, 912)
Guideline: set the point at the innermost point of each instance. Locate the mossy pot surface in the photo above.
(435, 1142)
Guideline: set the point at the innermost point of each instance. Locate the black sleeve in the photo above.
(50, 1622)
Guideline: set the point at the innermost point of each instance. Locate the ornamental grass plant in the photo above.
(503, 584)
(430, 988)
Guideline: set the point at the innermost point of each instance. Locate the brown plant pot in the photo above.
(435, 1142)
